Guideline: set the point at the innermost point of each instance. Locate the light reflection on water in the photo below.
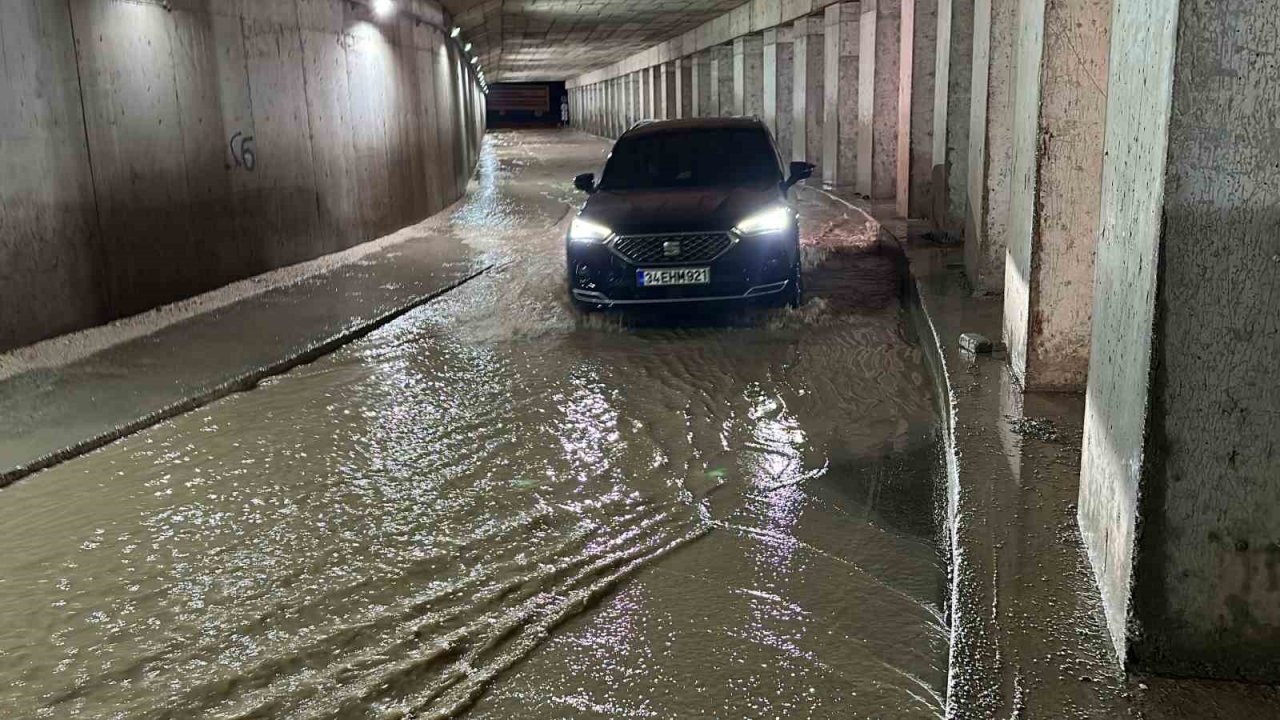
(495, 500)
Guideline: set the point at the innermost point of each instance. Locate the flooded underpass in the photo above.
(497, 507)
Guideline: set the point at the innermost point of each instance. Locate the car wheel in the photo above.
(795, 294)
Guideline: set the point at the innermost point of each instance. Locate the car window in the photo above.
(714, 157)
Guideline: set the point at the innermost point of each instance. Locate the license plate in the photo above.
(673, 276)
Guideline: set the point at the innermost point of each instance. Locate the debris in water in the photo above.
(975, 343)
(1036, 428)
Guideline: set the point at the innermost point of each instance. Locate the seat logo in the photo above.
(671, 248)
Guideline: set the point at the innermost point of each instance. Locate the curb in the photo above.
(966, 649)
(240, 383)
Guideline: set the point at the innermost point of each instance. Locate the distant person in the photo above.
(564, 112)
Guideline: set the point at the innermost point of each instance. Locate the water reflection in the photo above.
(498, 507)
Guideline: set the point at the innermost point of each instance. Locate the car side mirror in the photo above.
(586, 182)
(799, 171)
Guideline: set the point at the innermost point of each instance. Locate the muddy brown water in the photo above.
(496, 507)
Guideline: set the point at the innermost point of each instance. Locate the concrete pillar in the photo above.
(722, 79)
(995, 29)
(783, 74)
(1179, 477)
(637, 99)
(953, 76)
(919, 27)
(684, 88)
(640, 91)
(608, 108)
(748, 75)
(878, 80)
(703, 95)
(840, 89)
(669, 99)
(617, 116)
(769, 89)
(807, 104)
(1059, 106)
(655, 92)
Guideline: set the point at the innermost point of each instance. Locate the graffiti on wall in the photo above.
(243, 152)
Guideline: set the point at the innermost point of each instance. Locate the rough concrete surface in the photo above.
(722, 68)
(1206, 589)
(1059, 134)
(884, 125)
(807, 109)
(840, 85)
(953, 77)
(920, 121)
(786, 95)
(1028, 630)
(186, 146)
(990, 163)
(1124, 299)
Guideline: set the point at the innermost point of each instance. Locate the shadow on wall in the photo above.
(161, 153)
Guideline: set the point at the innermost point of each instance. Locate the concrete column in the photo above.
(769, 89)
(995, 29)
(1179, 478)
(840, 90)
(703, 95)
(878, 81)
(607, 108)
(640, 92)
(748, 75)
(597, 113)
(684, 88)
(1060, 104)
(919, 27)
(952, 78)
(667, 91)
(807, 106)
(635, 96)
(619, 106)
(656, 92)
(783, 74)
(722, 55)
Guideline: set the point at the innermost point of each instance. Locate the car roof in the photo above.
(652, 127)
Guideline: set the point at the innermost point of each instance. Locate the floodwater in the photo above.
(495, 507)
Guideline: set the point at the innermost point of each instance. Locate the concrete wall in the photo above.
(1181, 421)
(953, 76)
(153, 154)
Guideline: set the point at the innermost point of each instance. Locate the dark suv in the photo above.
(687, 211)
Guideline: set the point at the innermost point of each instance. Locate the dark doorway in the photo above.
(526, 105)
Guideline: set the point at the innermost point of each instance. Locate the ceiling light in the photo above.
(456, 32)
(466, 48)
(475, 60)
(383, 8)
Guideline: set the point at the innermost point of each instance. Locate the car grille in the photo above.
(683, 248)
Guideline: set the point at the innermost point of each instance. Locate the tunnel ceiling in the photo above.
(520, 40)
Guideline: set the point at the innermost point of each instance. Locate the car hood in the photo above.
(683, 210)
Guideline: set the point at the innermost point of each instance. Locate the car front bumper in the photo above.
(753, 268)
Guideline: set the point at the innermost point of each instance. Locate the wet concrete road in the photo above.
(495, 507)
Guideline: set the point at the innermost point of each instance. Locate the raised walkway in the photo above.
(1028, 638)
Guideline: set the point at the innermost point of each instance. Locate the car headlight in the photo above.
(585, 231)
(773, 220)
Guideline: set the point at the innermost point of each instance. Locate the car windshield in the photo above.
(712, 157)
